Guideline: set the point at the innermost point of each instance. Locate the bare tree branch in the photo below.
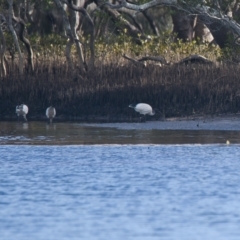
(198, 59)
(71, 37)
(160, 59)
(134, 61)
(15, 38)
(25, 41)
(116, 16)
(212, 18)
(144, 6)
(141, 61)
(92, 38)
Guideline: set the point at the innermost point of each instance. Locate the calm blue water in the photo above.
(189, 192)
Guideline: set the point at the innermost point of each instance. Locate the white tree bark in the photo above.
(15, 38)
(144, 6)
(71, 37)
(115, 15)
(74, 22)
(3, 71)
(92, 38)
(208, 15)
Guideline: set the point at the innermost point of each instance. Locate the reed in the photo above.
(106, 92)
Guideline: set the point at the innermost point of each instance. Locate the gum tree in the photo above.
(222, 24)
(64, 17)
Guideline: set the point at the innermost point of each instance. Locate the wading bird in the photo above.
(143, 108)
(22, 110)
(51, 113)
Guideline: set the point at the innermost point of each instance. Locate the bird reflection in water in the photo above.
(51, 127)
(25, 126)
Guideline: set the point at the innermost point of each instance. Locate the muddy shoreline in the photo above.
(211, 123)
(224, 122)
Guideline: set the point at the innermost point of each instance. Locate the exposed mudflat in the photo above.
(218, 123)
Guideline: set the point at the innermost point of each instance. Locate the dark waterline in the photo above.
(41, 133)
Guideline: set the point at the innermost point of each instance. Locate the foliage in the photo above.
(166, 46)
(112, 47)
(52, 44)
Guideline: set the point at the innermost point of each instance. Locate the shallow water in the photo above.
(120, 192)
(111, 183)
(41, 133)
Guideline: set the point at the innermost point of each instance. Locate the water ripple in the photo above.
(120, 192)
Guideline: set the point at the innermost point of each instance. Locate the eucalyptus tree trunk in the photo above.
(3, 71)
(219, 23)
(26, 42)
(203, 33)
(70, 36)
(74, 23)
(92, 37)
(15, 38)
(183, 25)
(122, 22)
(151, 22)
(190, 27)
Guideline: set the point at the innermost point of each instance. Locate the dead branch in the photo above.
(15, 38)
(142, 60)
(212, 18)
(160, 59)
(134, 61)
(197, 59)
(117, 17)
(142, 7)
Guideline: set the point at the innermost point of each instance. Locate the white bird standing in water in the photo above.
(22, 110)
(51, 113)
(143, 108)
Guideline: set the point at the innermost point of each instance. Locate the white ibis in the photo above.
(51, 113)
(143, 108)
(22, 110)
